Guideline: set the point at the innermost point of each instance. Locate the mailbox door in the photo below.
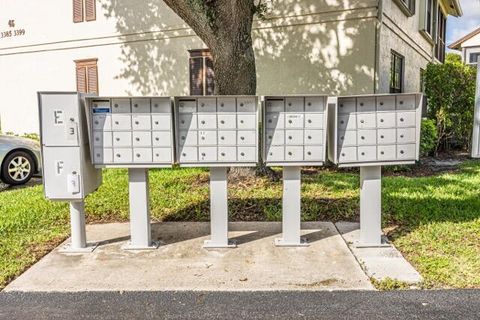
(60, 117)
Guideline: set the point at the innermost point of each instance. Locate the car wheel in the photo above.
(17, 168)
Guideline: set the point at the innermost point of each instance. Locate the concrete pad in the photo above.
(381, 262)
(181, 263)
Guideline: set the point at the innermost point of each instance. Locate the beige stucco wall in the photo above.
(304, 46)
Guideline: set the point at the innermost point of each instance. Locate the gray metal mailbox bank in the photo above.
(371, 131)
(217, 132)
(68, 173)
(294, 135)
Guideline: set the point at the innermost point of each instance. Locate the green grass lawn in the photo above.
(434, 221)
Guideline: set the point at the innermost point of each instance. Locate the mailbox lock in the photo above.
(289, 104)
(222, 104)
(401, 119)
(118, 155)
(402, 152)
(157, 138)
(137, 138)
(309, 104)
(271, 153)
(362, 121)
(401, 136)
(203, 121)
(270, 137)
(269, 120)
(156, 122)
(381, 103)
(222, 122)
(222, 138)
(118, 139)
(363, 153)
(223, 154)
(381, 120)
(309, 137)
(343, 154)
(241, 121)
(157, 154)
(290, 137)
(96, 122)
(135, 105)
(341, 105)
(183, 121)
(309, 121)
(203, 138)
(381, 137)
(289, 121)
(184, 154)
(97, 139)
(203, 154)
(136, 122)
(361, 104)
(202, 105)
(309, 153)
(98, 154)
(290, 153)
(156, 105)
(342, 122)
(363, 138)
(242, 154)
(116, 122)
(342, 138)
(116, 105)
(138, 155)
(401, 102)
(183, 137)
(241, 104)
(382, 152)
(242, 138)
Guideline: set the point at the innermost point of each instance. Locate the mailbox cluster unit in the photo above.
(376, 130)
(294, 131)
(131, 132)
(217, 131)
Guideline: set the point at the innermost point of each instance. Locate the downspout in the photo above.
(378, 33)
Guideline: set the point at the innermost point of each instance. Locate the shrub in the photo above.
(450, 90)
(428, 138)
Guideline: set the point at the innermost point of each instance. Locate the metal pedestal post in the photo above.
(218, 210)
(370, 207)
(140, 229)
(291, 209)
(78, 242)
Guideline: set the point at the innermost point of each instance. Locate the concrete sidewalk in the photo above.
(181, 263)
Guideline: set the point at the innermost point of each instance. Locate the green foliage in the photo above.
(389, 284)
(450, 90)
(428, 138)
(33, 136)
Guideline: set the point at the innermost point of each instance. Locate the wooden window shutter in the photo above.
(201, 72)
(90, 10)
(77, 11)
(87, 75)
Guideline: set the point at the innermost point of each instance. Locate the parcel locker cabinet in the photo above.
(131, 132)
(373, 130)
(216, 131)
(294, 130)
(68, 173)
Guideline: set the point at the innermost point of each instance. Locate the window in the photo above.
(440, 35)
(474, 57)
(407, 6)
(87, 75)
(422, 90)
(84, 10)
(201, 72)
(396, 73)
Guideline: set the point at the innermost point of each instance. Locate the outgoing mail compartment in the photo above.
(161, 105)
(246, 154)
(226, 104)
(347, 154)
(246, 104)
(161, 138)
(294, 153)
(406, 151)
(102, 122)
(162, 155)
(187, 121)
(142, 139)
(386, 136)
(386, 120)
(366, 121)
(187, 138)
(387, 152)
(187, 106)
(161, 121)
(294, 104)
(314, 104)
(122, 155)
(142, 122)
(246, 138)
(275, 137)
(314, 120)
(313, 137)
(294, 137)
(142, 155)
(207, 121)
(367, 153)
(188, 154)
(407, 135)
(246, 121)
(102, 155)
(227, 154)
(207, 105)
(121, 122)
(367, 137)
(406, 119)
(314, 153)
(275, 120)
(294, 120)
(347, 122)
(207, 154)
(347, 138)
(102, 139)
(386, 103)
(366, 104)
(227, 121)
(121, 105)
(275, 105)
(140, 105)
(122, 139)
(406, 102)
(227, 138)
(208, 137)
(275, 154)
(346, 105)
